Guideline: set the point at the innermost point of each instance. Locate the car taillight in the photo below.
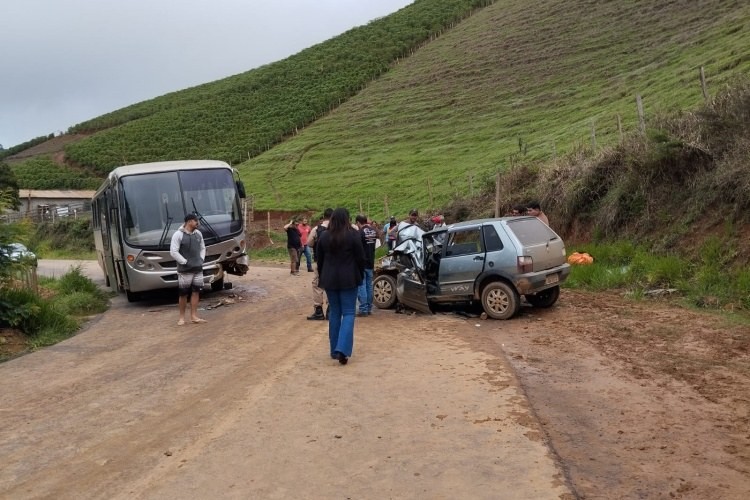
(525, 264)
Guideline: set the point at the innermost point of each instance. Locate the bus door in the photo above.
(104, 222)
(118, 254)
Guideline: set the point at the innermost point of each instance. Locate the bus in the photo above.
(138, 208)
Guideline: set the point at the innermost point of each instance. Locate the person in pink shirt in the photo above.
(304, 231)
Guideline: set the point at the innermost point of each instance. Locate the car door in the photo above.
(463, 260)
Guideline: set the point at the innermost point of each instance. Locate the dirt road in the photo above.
(250, 405)
(598, 397)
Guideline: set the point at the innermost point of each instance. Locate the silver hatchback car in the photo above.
(492, 262)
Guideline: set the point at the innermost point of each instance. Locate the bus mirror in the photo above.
(240, 189)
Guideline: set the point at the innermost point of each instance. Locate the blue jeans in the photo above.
(341, 320)
(364, 293)
(308, 257)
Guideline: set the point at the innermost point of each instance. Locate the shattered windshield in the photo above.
(155, 205)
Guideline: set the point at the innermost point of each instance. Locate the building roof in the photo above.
(72, 194)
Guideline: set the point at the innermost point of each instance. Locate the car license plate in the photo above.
(552, 278)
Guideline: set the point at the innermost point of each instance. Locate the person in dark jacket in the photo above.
(341, 265)
(369, 236)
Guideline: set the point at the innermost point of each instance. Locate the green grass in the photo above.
(49, 320)
(43, 173)
(703, 282)
(248, 113)
(536, 71)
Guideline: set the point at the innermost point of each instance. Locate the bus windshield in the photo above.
(155, 205)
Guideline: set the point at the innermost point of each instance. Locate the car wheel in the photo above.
(545, 298)
(500, 300)
(384, 291)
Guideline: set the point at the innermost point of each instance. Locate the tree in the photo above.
(8, 188)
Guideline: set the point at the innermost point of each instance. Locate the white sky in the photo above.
(66, 61)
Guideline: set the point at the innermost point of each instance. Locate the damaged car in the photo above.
(492, 263)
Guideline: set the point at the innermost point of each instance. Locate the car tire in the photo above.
(500, 300)
(384, 291)
(545, 298)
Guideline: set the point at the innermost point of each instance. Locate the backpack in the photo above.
(319, 230)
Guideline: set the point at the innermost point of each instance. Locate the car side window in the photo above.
(464, 243)
(492, 239)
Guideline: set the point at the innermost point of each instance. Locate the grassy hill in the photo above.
(243, 115)
(424, 106)
(517, 81)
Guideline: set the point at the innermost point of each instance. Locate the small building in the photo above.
(39, 204)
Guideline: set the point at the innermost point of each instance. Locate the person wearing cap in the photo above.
(437, 221)
(409, 228)
(188, 249)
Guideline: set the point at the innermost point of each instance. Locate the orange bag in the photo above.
(581, 259)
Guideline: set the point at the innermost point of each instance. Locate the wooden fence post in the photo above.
(593, 134)
(497, 195)
(704, 89)
(641, 118)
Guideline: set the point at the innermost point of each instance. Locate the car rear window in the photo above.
(531, 231)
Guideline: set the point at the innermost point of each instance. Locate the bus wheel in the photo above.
(133, 296)
(217, 285)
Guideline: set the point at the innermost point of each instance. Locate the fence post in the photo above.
(497, 195)
(704, 89)
(593, 134)
(641, 118)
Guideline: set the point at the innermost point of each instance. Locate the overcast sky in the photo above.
(66, 61)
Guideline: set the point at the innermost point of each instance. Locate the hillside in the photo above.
(517, 81)
(514, 82)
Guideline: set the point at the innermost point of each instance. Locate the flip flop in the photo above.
(181, 322)
(199, 320)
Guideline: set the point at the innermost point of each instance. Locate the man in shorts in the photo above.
(189, 250)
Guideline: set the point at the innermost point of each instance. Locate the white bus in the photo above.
(138, 208)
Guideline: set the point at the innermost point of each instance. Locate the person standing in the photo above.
(409, 228)
(293, 245)
(369, 236)
(304, 231)
(312, 242)
(533, 208)
(341, 264)
(188, 249)
(391, 231)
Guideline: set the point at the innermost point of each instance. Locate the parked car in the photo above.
(490, 262)
(17, 252)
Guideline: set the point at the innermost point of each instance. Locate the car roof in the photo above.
(478, 222)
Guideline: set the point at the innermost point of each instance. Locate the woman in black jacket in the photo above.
(341, 264)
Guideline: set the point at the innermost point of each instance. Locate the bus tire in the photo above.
(133, 296)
